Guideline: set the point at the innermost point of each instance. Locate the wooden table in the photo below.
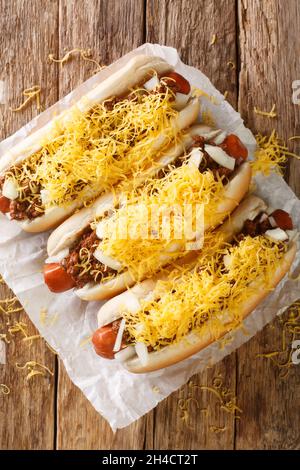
(255, 58)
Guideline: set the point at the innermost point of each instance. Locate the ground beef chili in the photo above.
(208, 163)
(254, 227)
(72, 263)
(22, 208)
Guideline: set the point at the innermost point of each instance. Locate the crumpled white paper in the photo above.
(122, 397)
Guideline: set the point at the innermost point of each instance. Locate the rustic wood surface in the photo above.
(261, 40)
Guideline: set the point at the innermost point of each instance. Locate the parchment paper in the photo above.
(122, 397)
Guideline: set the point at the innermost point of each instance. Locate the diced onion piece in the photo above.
(277, 234)
(100, 229)
(195, 157)
(263, 217)
(292, 234)
(219, 138)
(10, 189)
(272, 221)
(44, 196)
(181, 101)
(227, 260)
(107, 260)
(142, 352)
(125, 354)
(58, 257)
(132, 303)
(219, 156)
(152, 83)
(119, 337)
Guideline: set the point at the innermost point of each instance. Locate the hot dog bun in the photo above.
(55, 215)
(234, 191)
(65, 235)
(134, 72)
(193, 343)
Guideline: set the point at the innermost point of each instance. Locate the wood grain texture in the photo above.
(27, 33)
(189, 26)
(110, 29)
(270, 47)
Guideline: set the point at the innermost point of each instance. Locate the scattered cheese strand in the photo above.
(4, 389)
(84, 54)
(271, 154)
(35, 368)
(213, 40)
(100, 148)
(30, 93)
(270, 114)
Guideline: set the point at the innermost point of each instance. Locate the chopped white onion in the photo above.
(107, 260)
(58, 257)
(277, 234)
(142, 352)
(263, 217)
(44, 196)
(272, 221)
(132, 303)
(219, 156)
(195, 157)
(180, 101)
(125, 354)
(219, 138)
(119, 337)
(100, 229)
(10, 189)
(227, 260)
(152, 83)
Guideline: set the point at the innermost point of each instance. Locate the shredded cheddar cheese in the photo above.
(207, 297)
(4, 389)
(270, 155)
(94, 151)
(35, 368)
(31, 93)
(270, 114)
(213, 40)
(147, 226)
(84, 54)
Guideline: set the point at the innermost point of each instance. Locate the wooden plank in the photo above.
(190, 26)
(28, 30)
(270, 47)
(110, 28)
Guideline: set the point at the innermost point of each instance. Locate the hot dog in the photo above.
(175, 315)
(203, 174)
(116, 130)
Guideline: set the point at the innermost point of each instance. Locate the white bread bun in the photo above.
(234, 192)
